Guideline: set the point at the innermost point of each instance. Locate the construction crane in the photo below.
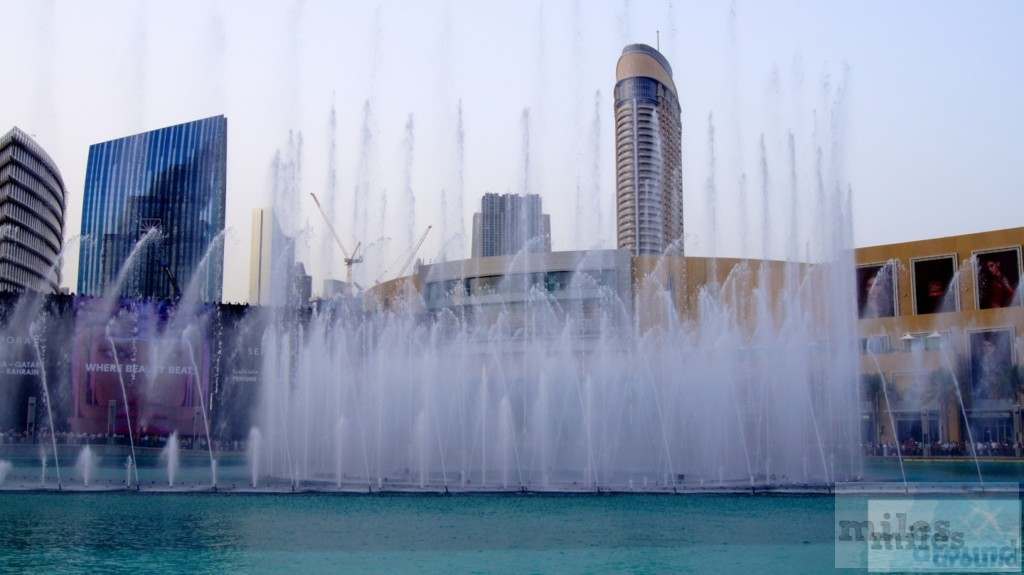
(414, 250)
(355, 258)
(412, 254)
(170, 278)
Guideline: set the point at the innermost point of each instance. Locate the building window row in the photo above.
(21, 254)
(20, 276)
(20, 194)
(520, 284)
(17, 213)
(30, 181)
(26, 237)
(51, 181)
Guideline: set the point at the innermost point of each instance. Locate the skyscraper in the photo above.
(271, 262)
(167, 187)
(507, 223)
(32, 212)
(648, 153)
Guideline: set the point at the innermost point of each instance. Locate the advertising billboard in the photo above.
(150, 385)
(997, 275)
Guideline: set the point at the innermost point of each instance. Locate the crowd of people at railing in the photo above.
(908, 448)
(912, 448)
(13, 437)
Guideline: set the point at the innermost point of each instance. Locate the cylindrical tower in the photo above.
(33, 200)
(648, 153)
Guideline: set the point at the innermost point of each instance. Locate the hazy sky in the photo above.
(914, 108)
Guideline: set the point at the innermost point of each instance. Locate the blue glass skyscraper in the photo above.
(167, 186)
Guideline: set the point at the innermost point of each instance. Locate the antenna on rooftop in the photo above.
(657, 40)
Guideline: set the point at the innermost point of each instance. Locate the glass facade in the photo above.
(161, 195)
(33, 200)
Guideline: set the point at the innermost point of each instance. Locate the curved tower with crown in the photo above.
(648, 154)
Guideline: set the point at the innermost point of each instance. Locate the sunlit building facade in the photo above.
(942, 343)
(648, 154)
(32, 213)
(271, 261)
(160, 194)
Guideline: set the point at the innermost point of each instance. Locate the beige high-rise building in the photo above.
(648, 153)
(271, 260)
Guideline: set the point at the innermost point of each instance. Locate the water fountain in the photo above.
(745, 383)
(892, 419)
(730, 400)
(133, 458)
(963, 411)
(49, 404)
(86, 465)
(43, 462)
(750, 387)
(172, 457)
(187, 337)
(253, 456)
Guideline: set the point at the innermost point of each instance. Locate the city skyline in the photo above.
(914, 105)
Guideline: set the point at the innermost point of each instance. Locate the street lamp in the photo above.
(1016, 430)
(907, 340)
(925, 436)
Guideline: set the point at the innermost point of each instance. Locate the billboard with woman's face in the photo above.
(876, 290)
(997, 275)
(129, 376)
(992, 370)
(932, 278)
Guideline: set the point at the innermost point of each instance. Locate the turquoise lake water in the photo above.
(106, 529)
(126, 532)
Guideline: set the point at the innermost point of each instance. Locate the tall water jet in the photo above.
(408, 197)
(49, 408)
(452, 217)
(187, 336)
(113, 290)
(171, 455)
(85, 465)
(252, 452)
(524, 126)
(127, 408)
(339, 438)
(744, 209)
(192, 294)
(792, 242)
(766, 220)
(327, 247)
(364, 176)
(287, 183)
(963, 412)
(711, 189)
